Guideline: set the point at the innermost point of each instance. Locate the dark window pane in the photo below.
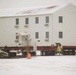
(17, 21)
(60, 34)
(47, 34)
(60, 19)
(36, 35)
(36, 20)
(26, 20)
(47, 19)
(17, 37)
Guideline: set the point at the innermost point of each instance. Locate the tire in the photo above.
(24, 53)
(73, 52)
(41, 53)
(12, 54)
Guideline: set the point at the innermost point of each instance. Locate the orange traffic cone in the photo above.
(29, 55)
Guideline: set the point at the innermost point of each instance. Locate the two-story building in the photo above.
(45, 26)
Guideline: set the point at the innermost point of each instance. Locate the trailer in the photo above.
(44, 50)
(49, 50)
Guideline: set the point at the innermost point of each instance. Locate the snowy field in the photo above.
(39, 65)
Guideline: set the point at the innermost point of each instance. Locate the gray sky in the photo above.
(32, 3)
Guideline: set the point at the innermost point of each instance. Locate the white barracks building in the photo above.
(44, 25)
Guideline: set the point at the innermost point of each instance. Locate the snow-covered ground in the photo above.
(39, 65)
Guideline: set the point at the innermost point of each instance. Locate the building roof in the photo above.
(30, 11)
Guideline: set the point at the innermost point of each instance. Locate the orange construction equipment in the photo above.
(28, 55)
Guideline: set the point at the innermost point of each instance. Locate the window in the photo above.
(60, 19)
(36, 35)
(36, 20)
(47, 34)
(17, 37)
(17, 21)
(26, 20)
(47, 19)
(60, 34)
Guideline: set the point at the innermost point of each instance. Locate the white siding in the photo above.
(42, 29)
(68, 27)
(8, 30)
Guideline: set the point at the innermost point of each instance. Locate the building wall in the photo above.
(8, 30)
(42, 29)
(67, 27)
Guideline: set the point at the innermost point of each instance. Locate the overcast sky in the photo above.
(32, 3)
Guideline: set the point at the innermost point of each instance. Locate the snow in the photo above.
(23, 33)
(30, 11)
(39, 65)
